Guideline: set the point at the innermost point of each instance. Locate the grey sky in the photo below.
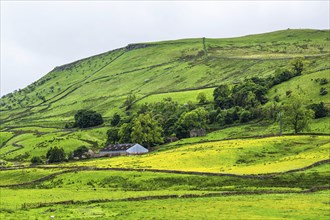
(36, 36)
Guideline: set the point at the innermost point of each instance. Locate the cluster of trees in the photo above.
(153, 123)
(86, 118)
(57, 154)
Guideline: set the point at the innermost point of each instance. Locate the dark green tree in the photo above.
(320, 110)
(55, 155)
(115, 119)
(87, 118)
(222, 97)
(113, 136)
(130, 99)
(244, 116)
(297, 67)
(124, 133)
(282, 75)
(195, 119)
(36, 160)
(80, 151)
(146, 131)
(201, 98)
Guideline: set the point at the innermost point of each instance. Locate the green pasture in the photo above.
(288, 206)
(8, 177)
(240, 156)
(306, 86)
(180, 97)
(5, 136)
(321, 125)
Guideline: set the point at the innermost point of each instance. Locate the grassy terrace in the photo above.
(92, 190)
(240, 156)
(289, 206)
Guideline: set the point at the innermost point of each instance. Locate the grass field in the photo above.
(180, 97)
(95, 187)
(288, 206)
(240, 156)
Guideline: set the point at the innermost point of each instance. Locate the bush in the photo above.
(113, 136)
(87, 118)
(55, 155)
(36, 160)
(319, 109)
(115, 119)
(323, 81)
(80, 151)
(244, 116)
(323, 91)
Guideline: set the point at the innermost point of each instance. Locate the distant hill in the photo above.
(102, 82)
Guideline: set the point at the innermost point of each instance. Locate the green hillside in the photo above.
(33, 119)
(102, 82)
(241, 168)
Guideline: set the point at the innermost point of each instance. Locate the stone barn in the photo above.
(122, 149)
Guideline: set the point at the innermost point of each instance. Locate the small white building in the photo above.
(137, 149)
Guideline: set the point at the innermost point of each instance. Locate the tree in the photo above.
(270, 110)
(297, 67)
(296, 116)
(195, 119)
(115, 119)
(282, 75)
(87, 118)
(124, 133)
(320, 110)
(222, 97)
(130, 99)
(36, 160)
(244, 116)
(113, 136)
(201, 97)
(146, 131)
(55, 155)
(80, 151)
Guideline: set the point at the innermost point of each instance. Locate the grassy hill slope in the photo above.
(102, 82)
(33, 119)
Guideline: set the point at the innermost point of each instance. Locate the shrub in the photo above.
(288, 93)
(244, 116)
(36, 160)
(115, 119)
(323, 91)
(323, 81)
(319, 109)
(113, 136)
(80, 151)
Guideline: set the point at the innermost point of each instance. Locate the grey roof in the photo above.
(117, 147)
(137, 149)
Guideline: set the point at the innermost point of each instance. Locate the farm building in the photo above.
(122, 149)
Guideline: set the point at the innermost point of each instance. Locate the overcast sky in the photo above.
(36, 36)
